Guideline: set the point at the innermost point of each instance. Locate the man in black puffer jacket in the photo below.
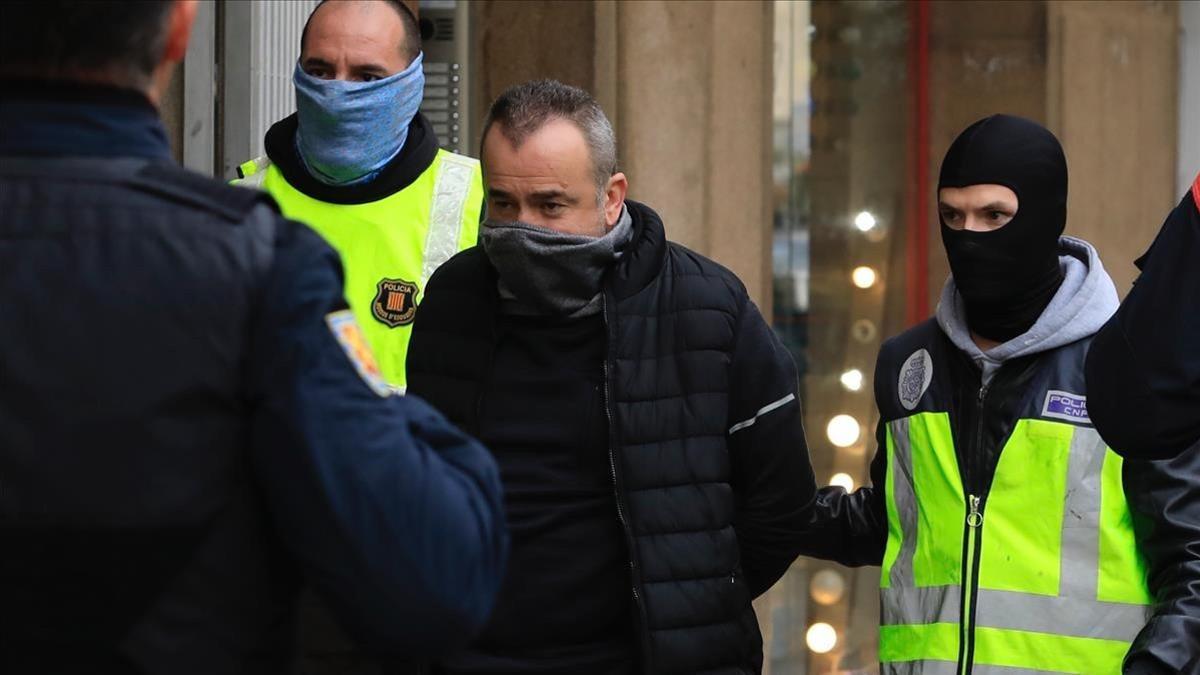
(645, 418)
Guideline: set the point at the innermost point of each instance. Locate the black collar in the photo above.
(644, 255)
(70, 119)
(418, 153)
(63, 91)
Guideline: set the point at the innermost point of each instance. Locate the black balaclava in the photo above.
(1007, 276)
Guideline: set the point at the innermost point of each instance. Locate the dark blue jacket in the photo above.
(183, 438)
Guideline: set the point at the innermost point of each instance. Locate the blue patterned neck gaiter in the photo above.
(348, 131)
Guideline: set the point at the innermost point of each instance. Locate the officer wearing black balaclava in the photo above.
(984, 434)
(1008, 276)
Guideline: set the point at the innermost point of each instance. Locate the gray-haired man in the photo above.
(644, 416)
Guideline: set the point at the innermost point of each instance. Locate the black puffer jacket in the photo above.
(710, 466)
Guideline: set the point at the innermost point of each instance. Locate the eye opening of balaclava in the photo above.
(1008, 276)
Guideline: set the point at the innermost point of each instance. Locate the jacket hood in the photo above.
(1084, 302)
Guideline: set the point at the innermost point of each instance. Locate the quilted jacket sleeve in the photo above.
(772, 476)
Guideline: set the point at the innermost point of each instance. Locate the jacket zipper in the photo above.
(612, 463)
(487, 380)
(972, 544)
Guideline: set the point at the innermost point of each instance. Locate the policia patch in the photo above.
(395, 302)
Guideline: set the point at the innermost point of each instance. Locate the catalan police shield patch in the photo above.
(350, 336)
(395, 302)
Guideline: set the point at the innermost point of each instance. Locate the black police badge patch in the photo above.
(395, 302)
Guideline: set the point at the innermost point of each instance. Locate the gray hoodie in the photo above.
(1084, 301)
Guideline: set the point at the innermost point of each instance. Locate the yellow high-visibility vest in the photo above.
(390, 247)
(1043, 575)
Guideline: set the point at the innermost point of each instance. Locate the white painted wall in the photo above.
(262, 43)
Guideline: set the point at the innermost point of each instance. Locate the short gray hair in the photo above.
(524, 108)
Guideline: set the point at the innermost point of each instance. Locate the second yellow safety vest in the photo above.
(390, 247)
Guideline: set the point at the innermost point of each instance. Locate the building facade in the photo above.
(798, 143)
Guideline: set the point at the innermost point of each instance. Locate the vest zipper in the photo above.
(970, 583)
(971, 543)
(612, 463)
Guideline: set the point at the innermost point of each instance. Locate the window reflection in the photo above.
(840, 153)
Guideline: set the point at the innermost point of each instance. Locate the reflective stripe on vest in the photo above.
(390, 247)
(951, 668)
(450, 190)
(252, 173)
(1061, 586)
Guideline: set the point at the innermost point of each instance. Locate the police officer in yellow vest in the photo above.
(360, 164)
(1011, 538)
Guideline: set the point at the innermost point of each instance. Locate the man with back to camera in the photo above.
(360, 165)
(645, 417)
(190, 417)
(1010, 535)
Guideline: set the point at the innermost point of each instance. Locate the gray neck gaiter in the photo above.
(544, 272)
